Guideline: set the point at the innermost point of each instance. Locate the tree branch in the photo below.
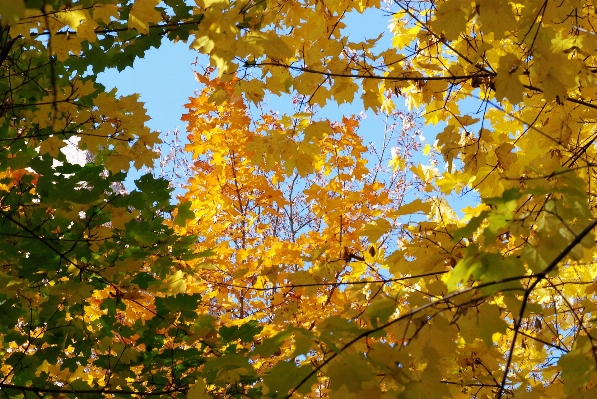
(540, 276)
(92, 391)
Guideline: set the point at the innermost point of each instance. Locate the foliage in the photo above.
(296, 264)
(89, 276)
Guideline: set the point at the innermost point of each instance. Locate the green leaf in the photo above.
(184, 214)
(470, 228)
(177, 302)
(351, 371)
(153, 189)
(577, 365)
(269, 346)
(285, 376)
(463, 269)
(380, 310)
(246, 332)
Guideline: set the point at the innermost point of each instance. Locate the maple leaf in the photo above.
(507, 82)
(52, 146)
(451, 19)
(142, 13)
(413, 207)
(504, 154)
(376, 229)
(104, 12)
(198, 391)
(86, 30)
(12, 11)
(117, 162)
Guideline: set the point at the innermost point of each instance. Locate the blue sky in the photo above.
(165, 79)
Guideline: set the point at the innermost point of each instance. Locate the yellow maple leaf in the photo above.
(13, 10)
(371, 100)
(71, 17)
(397, 163)
(210, 3)
(150, 138)
(120, 216)
(507, 82)
(142, 13)
(86, 30)
(317, 131)
(414, 207)
(63, 45)
(495, 16)
(176, 283)
(376, 229)
(104, 12)
(451, 181)
(117, 162)
(198, 391)
(51, 146)
(451, 18)
(505, 156)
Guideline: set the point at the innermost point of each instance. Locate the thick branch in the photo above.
(123, 29)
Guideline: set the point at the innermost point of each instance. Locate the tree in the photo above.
(107, 294)
(511, 314)
(283, 201)
(88, 275)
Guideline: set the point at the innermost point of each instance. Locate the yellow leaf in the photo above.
(141, 155)
(142, 13)
(86, 30)
(317, 131)
(451, 181)
(376, 229)
(198, 391)
(176, 283)
(276, 48)
(507, 82)
(64, 45)
(495, 16)
(414, 207)
(118, 162)
(253, 89)
(51, 146)
(344, 90)
(483, 322)
(209, 3)
(371, 97)
(11, 11)
(120, 216)
(505, 155)
(451, 18)
(448, 144)
(465, 120)
(104, 12)
(405, 37)
(397, 163)
(425, 173)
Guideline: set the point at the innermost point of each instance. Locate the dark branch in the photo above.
(93, 391)
(540, 276)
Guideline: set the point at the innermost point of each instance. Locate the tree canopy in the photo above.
(299, 260)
